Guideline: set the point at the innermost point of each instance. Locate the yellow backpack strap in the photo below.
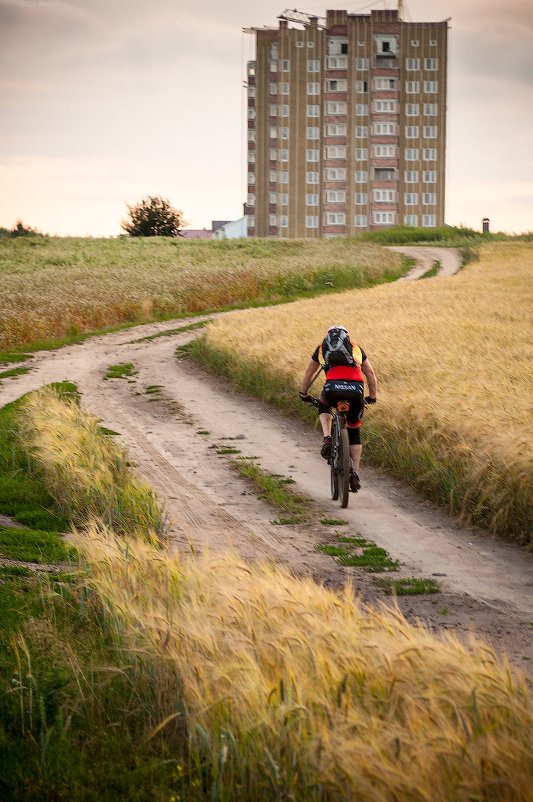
(357, 355)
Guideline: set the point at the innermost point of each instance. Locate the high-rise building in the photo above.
(346, 125)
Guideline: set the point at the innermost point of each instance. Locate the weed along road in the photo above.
(183, 427)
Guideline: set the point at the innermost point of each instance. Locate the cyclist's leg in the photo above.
(324, 417)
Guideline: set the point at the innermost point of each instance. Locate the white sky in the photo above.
(106, 101)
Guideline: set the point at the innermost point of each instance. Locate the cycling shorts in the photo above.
(344, 390)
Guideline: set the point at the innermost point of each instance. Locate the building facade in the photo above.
(346, 125)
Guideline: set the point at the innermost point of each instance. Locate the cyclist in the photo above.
(344, 381)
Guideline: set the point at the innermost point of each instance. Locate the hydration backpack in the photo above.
(337, 349)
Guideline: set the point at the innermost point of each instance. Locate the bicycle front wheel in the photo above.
(343, 475)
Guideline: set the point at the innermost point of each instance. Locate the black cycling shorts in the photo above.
(344, 390)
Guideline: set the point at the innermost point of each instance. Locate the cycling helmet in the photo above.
(342, 328)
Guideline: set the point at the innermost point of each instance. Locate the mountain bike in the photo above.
(339, 460)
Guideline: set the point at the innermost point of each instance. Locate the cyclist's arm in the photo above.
(310, 371)
(366, 367)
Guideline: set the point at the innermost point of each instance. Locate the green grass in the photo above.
(228, 450)
(451, 236)
(31, 545)
(7, 374)
(170, 332)
(431, 272)
(368, 556)
(411, 586)
(120, 371)
(333, 522)
(274, 490)
(332, 551)
(7, 357)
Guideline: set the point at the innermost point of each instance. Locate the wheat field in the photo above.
(57, 287)
(454, 361)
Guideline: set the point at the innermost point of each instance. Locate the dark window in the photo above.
(344, 48)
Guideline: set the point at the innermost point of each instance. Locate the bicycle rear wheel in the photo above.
(343, 475)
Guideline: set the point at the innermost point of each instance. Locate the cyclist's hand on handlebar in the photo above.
(306, 398)
(369, 399)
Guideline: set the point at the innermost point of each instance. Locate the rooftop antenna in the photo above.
(301, 17)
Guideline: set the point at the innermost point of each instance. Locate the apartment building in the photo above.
(346, 125)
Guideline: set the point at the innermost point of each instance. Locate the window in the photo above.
(335, 218)
(337, 47)
(412, 87)
(412, 131)
(273, 66)
(313, 111)
(385, 106)
(284, 177)
(284, 110)
(285, 65)
(251, 179)
(430, 154)
(310, 44)
(299, 44)
(284, 132)
(336, 196)
(428, 220)
(430, 176)
(311, 199)
(411, 198)
(361, 176)
(313, 132)
(411, 154)
(429, 198)
(360, 220)
(430, 131)
(412, 109)
(313, 88)
(385, 129)
(361, 154)
(273, 133)
(431, 87)
(383, 217)
(337, 62)
(311, 178)
(283, 198)
(336, 174)
(361, 86)
(251, 221)
(333, 107)
(251, 135)
(312, 155)
(311, 221)
(414, 42)
(336, 152)
(384, 83)
(336, 85)
(284, 155)
(410, 219)
(361, 109)
(251, 68)
(384, 195)
(361, 64)
(384, 151)
(336, 129)
(361, 131)
(430, 63)
(313, 65)
(272, 155)
(273, 88)
(251, 91)
(411, 176)
(384, 173)
(251, 114)
(272, 220)
(412, 64)
(430, 109)
(360, 198)
(272, 110)
(284, 221)
(433, 42)
(272, 176)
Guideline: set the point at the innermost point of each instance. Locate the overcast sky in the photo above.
(106, 101)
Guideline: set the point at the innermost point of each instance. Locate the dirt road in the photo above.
(161, 412)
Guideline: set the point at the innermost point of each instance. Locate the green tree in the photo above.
(153, 217)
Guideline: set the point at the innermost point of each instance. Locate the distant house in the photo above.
(234, 229)
(197, 233)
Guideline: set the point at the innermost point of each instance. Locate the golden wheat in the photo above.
(55, 287)
(355, 702)
(454, 360)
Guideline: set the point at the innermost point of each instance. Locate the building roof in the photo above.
(197, 233)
